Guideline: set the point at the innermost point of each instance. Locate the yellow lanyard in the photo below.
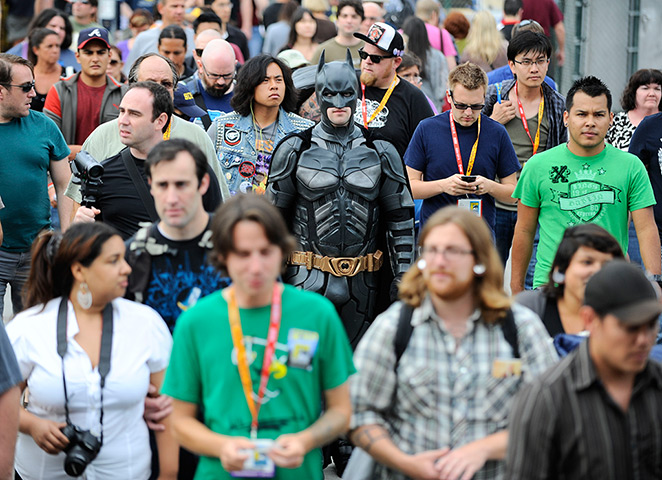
(166, 134)
(382, 104)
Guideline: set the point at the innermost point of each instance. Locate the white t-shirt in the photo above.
(141, 346)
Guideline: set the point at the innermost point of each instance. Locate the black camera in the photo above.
(87, 173)
(83, 447)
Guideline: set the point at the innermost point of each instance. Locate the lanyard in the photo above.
(242, 362)
(166, 135)
(456, 146)
(541, 109)
(382, 104)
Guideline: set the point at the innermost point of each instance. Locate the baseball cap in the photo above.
(94, 33)
(185, 103)
(293, 58)
(384, 37)
(622, 289)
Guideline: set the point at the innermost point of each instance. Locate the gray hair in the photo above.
(133, 73)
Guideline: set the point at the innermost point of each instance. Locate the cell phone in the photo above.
(468, 178)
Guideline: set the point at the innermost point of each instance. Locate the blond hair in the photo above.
(484, 41)
(425, 9)
(469, 75)
(488, 287)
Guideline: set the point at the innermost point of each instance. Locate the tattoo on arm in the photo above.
(369, 435)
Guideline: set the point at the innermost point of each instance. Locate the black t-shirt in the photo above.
(403, 111)
(120, 203)
(180, 277)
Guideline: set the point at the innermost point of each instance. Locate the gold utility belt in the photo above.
(338, 266)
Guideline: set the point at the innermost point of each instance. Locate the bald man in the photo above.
(212, 85)
(201, 40)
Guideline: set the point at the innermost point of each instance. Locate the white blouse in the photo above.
(141, 346)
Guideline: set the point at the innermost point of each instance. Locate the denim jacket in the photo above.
(234, 140)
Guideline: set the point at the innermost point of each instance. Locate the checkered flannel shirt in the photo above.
(445, 395)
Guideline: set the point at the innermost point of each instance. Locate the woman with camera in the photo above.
(87, 357)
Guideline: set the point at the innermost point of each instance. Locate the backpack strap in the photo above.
(510, 332)
(403, 332)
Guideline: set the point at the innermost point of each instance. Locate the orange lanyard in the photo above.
(541, 109)
(242, 361)
(456, 146)
(382, 104)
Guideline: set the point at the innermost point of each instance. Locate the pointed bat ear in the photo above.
(349, 59)
(320, 65)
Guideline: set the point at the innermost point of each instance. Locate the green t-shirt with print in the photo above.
(570, 190)
(312, 355)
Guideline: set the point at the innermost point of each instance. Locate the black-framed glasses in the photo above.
(463, 106)
(449, 253)
(528, 62)
(25, 87)
(114, 62)
(228, 77)
(198, 52)
(373, 58)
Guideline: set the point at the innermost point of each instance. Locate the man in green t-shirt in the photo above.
(581, 182)
(262, 411)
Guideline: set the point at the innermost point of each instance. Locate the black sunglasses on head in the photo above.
(25, 87)
(373, 58)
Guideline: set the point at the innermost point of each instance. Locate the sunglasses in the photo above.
(114, 62)
(25, 87)
(373, 58)
(476, 107)
(198, 52)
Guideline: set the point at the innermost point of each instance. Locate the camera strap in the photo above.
(104, 356)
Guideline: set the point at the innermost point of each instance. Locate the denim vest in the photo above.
(243, 168)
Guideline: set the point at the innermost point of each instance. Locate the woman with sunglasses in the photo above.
(57, 21)
(116, 64)
(44, 53)
(87, 357)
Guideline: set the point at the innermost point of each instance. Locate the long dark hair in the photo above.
(41, 20)
(35, 39)
(251, 75)
(587, 235)
(418, 42)
(53, 254)
(297, 16)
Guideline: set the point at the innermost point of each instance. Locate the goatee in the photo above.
(368, 79)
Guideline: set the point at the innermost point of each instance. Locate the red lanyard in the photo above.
(382, 104)
(456, 146)
(541, 109)
(242, 361)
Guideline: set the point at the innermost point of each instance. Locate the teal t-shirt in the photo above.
(203, 370)
(570, 190)
(28, 145)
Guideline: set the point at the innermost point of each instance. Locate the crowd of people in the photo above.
(254, 239)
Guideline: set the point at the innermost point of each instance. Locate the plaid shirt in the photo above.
(444, 396)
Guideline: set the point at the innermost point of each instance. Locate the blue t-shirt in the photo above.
(431, 152)
(216, 106)
(29, 144)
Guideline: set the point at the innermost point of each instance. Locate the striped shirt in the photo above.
(444, 396)
(566, 426)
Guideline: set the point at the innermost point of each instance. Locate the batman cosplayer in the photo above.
(346, 198)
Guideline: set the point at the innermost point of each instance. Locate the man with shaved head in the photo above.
(213, 84)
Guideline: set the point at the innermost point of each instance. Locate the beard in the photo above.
(215, 91)
(450, 289)
(368, 79)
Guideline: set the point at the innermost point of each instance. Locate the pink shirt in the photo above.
(435, 40)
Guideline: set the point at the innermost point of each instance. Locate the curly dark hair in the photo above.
(639, 78)
(251, 75)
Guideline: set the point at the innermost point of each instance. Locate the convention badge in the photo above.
(245, 187)
(246, 169)
(474, 205)
(302, 345)
(232, 136)
(258, 464)
(214, 114)
(506, 367)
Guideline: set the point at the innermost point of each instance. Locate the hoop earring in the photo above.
(479, 269)
(422, 264)
(84, 296)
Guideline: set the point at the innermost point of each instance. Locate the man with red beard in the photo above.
(437, 404)
(387, 104)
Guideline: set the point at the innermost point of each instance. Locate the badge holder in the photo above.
(258, 464)
(474, 205)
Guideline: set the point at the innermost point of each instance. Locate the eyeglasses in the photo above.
(224, 5)
(114, 62)
(449, 253)
(373, 58)
(228, 77)
(527, 62)
(476, 107)
(198, 52)
(25, 87)
(84, 2)
(412, 77)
